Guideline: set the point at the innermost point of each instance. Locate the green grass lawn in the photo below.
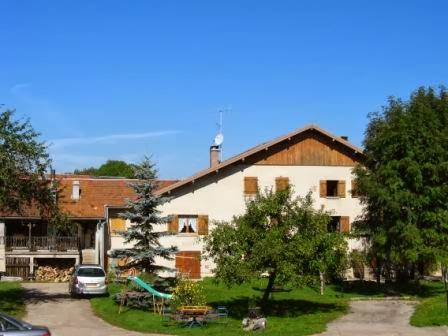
(11, 299)
(433, 308)
(296, 311)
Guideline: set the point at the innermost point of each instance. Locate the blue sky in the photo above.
(123, 79)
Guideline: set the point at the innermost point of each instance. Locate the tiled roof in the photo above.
(95, 194)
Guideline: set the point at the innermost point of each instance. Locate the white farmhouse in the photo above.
(308, 158)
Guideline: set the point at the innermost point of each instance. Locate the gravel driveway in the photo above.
(380, 317)
(49, 304)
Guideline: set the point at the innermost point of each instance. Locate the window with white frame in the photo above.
(188, 224)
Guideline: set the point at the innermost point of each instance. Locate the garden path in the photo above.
(380, 317)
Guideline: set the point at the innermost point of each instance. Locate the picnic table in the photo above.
(193, 316)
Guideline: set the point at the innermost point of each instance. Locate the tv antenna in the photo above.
(219, 138)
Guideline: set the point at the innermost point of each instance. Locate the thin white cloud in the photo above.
(17, 88)
(68, 162)
(113, 138)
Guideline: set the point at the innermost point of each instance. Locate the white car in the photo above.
(88, 279)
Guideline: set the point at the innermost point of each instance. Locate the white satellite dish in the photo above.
(219, 138)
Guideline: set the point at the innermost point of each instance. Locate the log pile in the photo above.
(53, 273)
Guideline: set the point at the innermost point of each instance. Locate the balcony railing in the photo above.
(52, 243)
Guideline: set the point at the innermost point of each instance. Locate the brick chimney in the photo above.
(214, 155)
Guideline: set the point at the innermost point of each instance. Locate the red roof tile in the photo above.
(95, 194)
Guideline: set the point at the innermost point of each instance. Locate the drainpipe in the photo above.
(97, 248)
(101, 242)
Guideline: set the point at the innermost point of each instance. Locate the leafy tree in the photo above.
(403, 182)
(92, 171)
(110, 168)
(116, 168)
(23, 163)
(62, 224)
(143, 213)
(281, 236)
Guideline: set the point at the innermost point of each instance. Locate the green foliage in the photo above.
(403, 182)
(279, 236)
(143, 213)
(23, 163)
(11, 299)
(188, 293)
(92, 171)
(115, 168)
(358, 260)
(62, 224)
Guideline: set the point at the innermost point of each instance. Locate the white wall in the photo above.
(223, 198)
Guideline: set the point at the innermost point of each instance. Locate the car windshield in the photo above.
(91, 272)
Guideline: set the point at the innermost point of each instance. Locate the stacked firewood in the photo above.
(53, 273)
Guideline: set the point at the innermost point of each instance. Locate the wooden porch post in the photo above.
(2, 248)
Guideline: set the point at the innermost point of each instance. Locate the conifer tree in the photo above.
(144, 214)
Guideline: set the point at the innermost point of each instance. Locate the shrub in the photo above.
(188, 293)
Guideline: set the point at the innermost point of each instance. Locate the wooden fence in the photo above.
(19, 267)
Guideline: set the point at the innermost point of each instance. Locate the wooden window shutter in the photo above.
(341, 188)
(173, 224)
(202, 225)
(354, 190)
(250, 185)
(345, 224)
(323, 188)
(117, 225)
(281, 183)
(189, 264)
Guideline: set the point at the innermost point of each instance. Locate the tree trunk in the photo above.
(268, 290)
(322, 282)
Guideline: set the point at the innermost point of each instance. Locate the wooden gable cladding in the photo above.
(307, 149)
(281, 183)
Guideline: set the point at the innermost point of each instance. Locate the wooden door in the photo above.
(189, 263)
